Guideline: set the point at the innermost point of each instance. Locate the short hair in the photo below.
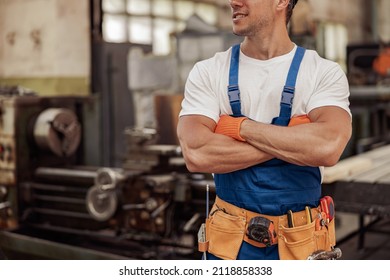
(290, 9)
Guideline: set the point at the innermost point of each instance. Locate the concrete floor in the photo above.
(376, 239)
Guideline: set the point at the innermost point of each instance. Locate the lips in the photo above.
(238, 15)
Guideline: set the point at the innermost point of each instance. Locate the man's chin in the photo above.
(238, 33)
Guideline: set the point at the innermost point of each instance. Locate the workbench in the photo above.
(361, 184)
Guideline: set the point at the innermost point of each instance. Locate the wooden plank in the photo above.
(360, 167)
(384, 179)
(376, 154)
(372, 176)
(346, 168)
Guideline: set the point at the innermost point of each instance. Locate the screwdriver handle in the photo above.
(290, 219)
(327, 206)
(330, 203)
(309, 218)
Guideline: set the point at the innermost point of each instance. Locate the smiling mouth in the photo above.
(238, 16)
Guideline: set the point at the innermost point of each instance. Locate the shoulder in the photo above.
(208, 70)
(313, 58)
(219, 59)
(319, 69)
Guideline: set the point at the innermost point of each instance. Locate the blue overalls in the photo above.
(273, 187)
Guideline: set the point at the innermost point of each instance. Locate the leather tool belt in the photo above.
(227, 227)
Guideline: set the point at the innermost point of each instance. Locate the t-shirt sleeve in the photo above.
(332, 90)
(200, 96)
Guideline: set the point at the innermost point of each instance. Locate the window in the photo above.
(152, 21)
(333, 41)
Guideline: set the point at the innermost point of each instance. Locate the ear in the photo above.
(282, 4)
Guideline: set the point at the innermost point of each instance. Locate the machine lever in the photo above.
(150, 204)
(160, 209)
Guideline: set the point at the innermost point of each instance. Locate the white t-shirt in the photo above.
(320, 82)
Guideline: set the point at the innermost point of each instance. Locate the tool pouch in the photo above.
(225, 234)
(299, 242)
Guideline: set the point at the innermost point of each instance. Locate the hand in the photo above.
(230, 126)
(301, 119)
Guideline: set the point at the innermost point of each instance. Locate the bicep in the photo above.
(194, 130)
(335, 123)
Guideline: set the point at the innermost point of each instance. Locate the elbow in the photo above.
(331, 160)
(194, 163)
(330, 156)
(195, 159)
(322, 159)
(191, 165)
(193, 168)
(330, 152)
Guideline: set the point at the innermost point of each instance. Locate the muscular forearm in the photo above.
(319, 143)
(300, 147)
(222, 155)
(206, 151)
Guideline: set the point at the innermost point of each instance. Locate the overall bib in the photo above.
(273, 187)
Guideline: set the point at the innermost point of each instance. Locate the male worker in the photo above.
(235, 123)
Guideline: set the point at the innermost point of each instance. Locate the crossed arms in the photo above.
(318, 143)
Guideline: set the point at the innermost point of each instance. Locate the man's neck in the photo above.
(267, 45)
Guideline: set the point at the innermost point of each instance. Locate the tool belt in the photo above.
(228, 226)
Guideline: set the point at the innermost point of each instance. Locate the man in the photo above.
(235, 123)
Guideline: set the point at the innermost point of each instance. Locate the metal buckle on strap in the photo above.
(234, 93)
(288, 95)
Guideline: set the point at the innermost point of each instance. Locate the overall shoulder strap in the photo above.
(289, 89)
(233, 88)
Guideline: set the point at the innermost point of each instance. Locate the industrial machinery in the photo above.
(369, 64)
(52, 206)
(381, 64)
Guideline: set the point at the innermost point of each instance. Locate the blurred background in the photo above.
(90, 91)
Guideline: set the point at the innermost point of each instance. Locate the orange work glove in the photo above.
(301, 119)
(230, 126)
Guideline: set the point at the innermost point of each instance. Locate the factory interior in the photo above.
(90, 92)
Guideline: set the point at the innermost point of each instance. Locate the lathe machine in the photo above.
(53, 206)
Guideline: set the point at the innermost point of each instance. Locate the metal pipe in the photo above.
(62, 213)
(61, 199)
(56, 188)
(68, 175)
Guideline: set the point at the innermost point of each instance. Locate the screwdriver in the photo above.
(290, 219)
(309, 218)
